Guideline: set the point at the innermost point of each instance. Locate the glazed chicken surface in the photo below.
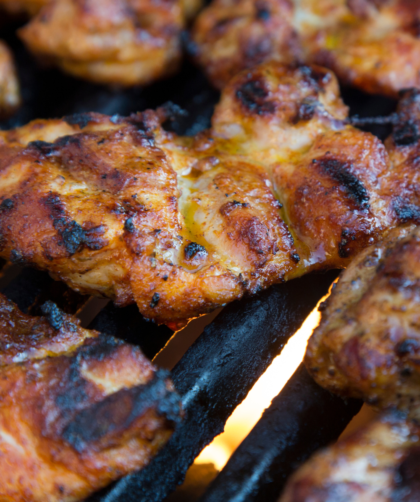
(9, 84)
(279, 186)
(371, 44)
(78, 409)
(123, 43)
(378, 463)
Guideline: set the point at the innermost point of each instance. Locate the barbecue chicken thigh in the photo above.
(280, 185)
(9, 84)
(78, 409)
(379, 463)
(371, 44)
(368, 342)
(117, 42)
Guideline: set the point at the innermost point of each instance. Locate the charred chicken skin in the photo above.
(124, 43)
(78, 409)
(279, 186)
(9, 84)
(379, 463)
(368, 341)
(370, 44)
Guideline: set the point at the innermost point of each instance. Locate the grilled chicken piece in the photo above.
(77, 409)
(117, 206)
(30, 7)
(9, 84)
(125, 43)
(370, 44)
(379, 463)
(368, 342)
(369, 336)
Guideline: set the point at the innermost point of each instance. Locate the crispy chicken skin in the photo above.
(77, 409)
(9, 84)
(370, 44)
(369, 336)
(125, 43)
(117, 206)
(379, 463)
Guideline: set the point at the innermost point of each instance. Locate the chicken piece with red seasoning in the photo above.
(370, 44)
(78, 409)
(280, 185)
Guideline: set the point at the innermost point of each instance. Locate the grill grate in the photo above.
(218, 370)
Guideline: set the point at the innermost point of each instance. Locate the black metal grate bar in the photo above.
(129, 325)
(216, 374)
(301, 419)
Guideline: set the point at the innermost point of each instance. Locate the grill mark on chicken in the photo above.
(341, 172)
(406, 211)
(117, 412)
(406, 134)
(79, 119)
(253, 95)
(79, 408)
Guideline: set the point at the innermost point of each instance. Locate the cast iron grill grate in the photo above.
(218, 370)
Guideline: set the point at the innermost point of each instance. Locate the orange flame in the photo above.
(247, 414)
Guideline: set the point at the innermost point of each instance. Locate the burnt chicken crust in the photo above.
(379, 462)
(373, 45)
(115, 42)
(280, 185)
(78, 409)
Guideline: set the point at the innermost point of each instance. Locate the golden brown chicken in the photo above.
(370, 44)
(77, 409)
(117, 206)
(129, 42)
(9, 84)
(379, 463)
(248, 124)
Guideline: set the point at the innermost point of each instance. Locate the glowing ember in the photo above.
(247, 414)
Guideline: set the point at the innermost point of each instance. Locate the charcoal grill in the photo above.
(220, 367)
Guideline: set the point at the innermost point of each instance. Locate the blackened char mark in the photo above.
(227, 208)
(346, 238)
(72, 234)
(406, 134)
(253, 96)
(315, 77)
(406, 211)
(116, 413)
(99, 348)
(193, 249)
(7, 205)
(407, 480)
(53, 314)
(340, 172)
(16, 257)
(79, 119)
